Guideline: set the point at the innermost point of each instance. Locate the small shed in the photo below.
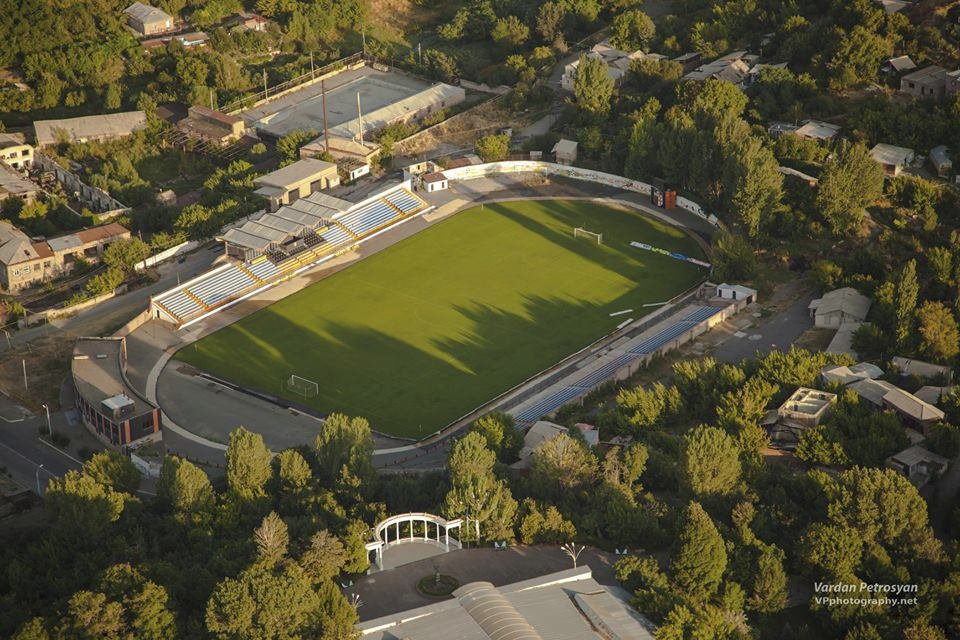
(565, 151)
(736, 292)
(892, 158)
(940, 159)
(435, 181)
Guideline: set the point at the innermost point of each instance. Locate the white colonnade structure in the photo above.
(435, 530)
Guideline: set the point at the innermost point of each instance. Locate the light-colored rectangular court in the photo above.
(385, 97)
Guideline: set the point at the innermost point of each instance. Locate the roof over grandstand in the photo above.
(100, 127)
(567, 605)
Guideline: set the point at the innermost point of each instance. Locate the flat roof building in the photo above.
(110, 408)
(567, 605)
(298, 180)
(89, 128)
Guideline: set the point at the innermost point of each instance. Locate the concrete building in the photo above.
(14, 152)
(435, 181)
(111, 409)
(929, 82)
(567, 605)
(839, 306)
(89, 128)
(818, 130)
(565, 151)
(940, 159)
(918, 465)
(14, 185)
(209, 124)
(806, 407)
(892, 158)
(296, 181)
(24, 263)
(147, 20)
(736, 292)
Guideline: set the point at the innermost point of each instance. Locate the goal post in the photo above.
(580, 231)
(303, 386)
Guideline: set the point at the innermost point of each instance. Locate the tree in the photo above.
(908, 290)
(345, 443)
(711, 462)
(550, 17)
(248, 464)
(850, 181)
(939, 337)
(125, 253)
(561, 468)
(632, 30)
(113, 470)
(593, 88)
(493, 148)
(700, 558)
(82, 505)
(510, 31)
(476, 494)
(324, 558)
(271, 539)
(501, 433)
(185, 487)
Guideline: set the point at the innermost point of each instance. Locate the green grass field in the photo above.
(419, 334)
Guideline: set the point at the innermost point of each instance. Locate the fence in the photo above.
(576, 173)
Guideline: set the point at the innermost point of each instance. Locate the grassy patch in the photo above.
(421, 333)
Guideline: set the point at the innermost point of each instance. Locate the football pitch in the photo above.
(417, 335)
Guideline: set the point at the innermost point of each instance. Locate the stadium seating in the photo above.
(587, 382)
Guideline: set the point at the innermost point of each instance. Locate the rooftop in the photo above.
(90, 127)
(97, 373)
(299, 171)
(567, 605)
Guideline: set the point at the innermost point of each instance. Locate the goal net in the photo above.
(581, 232)
(303, 386)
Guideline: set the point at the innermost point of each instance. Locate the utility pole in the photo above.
(359, 119)
(49, 424)
(326, 131)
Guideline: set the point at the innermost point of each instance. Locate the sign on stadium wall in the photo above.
(576, 173)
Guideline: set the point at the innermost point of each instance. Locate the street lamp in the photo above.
(49, 425)
(38, 480)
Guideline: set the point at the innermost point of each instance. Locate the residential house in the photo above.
(565, 151)
(15, 152)
(297, 180)
(929, 82)
(806, 407)
(24, 263)
(918, 465)
(817, 130)
(921, 369)
(147, 20)
(940, 159)
(892, 158)
(734, 67)
(839, 306)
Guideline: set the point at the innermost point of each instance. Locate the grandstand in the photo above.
(275, 245)
(643, 347)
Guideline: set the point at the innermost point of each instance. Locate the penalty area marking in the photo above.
(624, 323)
(620, 313)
